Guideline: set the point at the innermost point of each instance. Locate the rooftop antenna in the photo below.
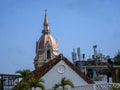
(83, 55)
(79, 57)
(74, 56)
(78, 53)
(95, 52)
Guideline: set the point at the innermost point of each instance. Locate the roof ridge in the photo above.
(38, 73)
(78, 71)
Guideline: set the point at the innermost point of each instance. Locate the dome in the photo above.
(47, 40)
(46, 46)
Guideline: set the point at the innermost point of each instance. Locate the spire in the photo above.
(46, 19)
(46, 25)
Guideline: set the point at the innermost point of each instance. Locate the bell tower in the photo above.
(46, 46)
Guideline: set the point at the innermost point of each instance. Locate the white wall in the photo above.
(57, 72)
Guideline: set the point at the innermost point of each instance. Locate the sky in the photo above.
(73, 23)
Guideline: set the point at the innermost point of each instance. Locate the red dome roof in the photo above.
(47, 39)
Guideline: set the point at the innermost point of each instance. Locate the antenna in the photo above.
(78, 52)
(74, 55)
(95, 52)
(83, 56)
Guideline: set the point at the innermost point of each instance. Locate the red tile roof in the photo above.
(41, 71)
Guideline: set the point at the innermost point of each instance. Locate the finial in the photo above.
(45, 11)
(46, 19)
(46, 25)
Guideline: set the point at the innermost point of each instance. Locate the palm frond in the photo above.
(41, 80)
(41, 86)
(22, 86)
(56, 86)
(64, 82)
(36, 83)
(69, 82)
(23, 73)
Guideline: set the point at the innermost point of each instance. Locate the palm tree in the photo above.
(64, 82)
(117, 59)
(28, 81)
(108, 73)
(117, 71)
(36, 83)
(24, 73)
(21, 86)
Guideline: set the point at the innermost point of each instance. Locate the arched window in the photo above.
(48, 54)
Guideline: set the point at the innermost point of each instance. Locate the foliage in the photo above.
(24, 73)
(28, 81)
(117, 75)
(117, 62)
(21, 86)
(117, 59)
(115, 88)
(107, 72)
(64, 82)
(36, 83)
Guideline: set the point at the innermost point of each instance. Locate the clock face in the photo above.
(61, 68)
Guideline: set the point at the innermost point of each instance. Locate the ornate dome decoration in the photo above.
(46, 46)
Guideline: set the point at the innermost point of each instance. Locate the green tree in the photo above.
(108, 73)
(117, 71)
(64, 82)
(36, 83)
(24, 73)
(28, 81)
(117, 59)
(115, 88)
(21, 86)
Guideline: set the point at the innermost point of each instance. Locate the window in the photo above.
(48, 54)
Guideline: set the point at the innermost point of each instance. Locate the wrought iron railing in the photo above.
(106, 86)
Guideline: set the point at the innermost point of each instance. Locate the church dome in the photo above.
(46, 46)
(47, 40)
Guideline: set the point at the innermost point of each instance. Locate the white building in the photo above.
(52, 72)
(52, 67)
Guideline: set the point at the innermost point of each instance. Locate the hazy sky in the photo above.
(73, 23)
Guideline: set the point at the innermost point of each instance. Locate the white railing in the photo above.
(106, 86)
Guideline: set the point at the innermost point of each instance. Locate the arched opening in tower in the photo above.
(48, 54)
